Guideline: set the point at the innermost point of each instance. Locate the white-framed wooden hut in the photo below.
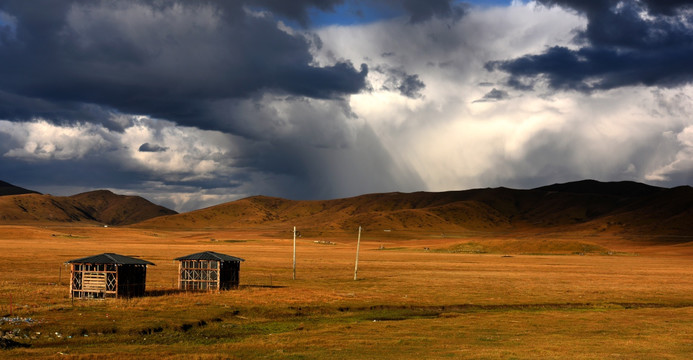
(208, 270)
(107, 275)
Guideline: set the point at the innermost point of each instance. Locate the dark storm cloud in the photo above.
(493, 95)
(417, 10)
(411, 86)
(306, 172)
(619, 47)
(664, 7)
(408, 85)
(423, 10)
(147, 147)
(101, 172)
(162, 59)
(213, 65)
(18, 107)
(78, 60)
(296, 9)
(668, 7)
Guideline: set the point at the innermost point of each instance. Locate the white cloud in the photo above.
(41, 140)
(526, 139)
(181, 197)
(682, 163)
(190, 153)
(377, 140)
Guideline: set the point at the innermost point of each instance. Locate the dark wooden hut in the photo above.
(208, 271)
(107, 275)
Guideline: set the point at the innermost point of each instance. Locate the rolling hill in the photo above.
(585, 206)
(623, 208)
(96, 207)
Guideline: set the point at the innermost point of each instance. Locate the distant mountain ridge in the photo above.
(21, 206)
(616, 188)
(9, 189)
(586, 206)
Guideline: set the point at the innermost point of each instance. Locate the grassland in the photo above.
(430, 297)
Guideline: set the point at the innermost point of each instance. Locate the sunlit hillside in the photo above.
(97, 207)
(585, 206)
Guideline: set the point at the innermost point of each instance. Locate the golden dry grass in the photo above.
(90, 208)
(408, 302)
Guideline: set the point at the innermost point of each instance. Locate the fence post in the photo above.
(294, 277)
(358, 246)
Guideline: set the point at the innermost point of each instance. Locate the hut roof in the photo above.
(110, 258)
(210, 255)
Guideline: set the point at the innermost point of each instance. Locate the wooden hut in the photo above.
(107, 275)
(208, 271)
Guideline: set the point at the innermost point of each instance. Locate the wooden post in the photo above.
(180, 279)
(117, 281)
(72, 275)
(218, 271)
(294, 253)
(358, 246)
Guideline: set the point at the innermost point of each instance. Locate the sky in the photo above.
(192, 104)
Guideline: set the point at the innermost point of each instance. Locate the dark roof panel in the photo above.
(109, 258)
(210, 255)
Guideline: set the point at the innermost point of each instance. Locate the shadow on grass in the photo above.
(163, 292)
(9, 344)
(261, 287)
(167, 292)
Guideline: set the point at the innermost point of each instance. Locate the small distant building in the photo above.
(107, 275)
(208, 271)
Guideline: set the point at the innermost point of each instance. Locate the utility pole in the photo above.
(294, 253)
(358, 246)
